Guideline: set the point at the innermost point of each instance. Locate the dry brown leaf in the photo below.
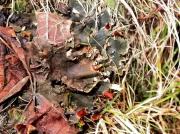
(47, 119)
(15, 73)
(2, 67)
(52, 28)
(9, 39)
(12, 88)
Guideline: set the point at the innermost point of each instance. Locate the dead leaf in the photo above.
(15, 73)
(9, 39)
(7, 31)
(12, 88)
(2, 67)
(52, 28)
(47, 119)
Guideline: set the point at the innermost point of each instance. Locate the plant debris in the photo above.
(83, 66)
(13, 74)
(52, 29)
(43, 118)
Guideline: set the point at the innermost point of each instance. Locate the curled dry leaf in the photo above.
(52, 28)
(46, 119)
